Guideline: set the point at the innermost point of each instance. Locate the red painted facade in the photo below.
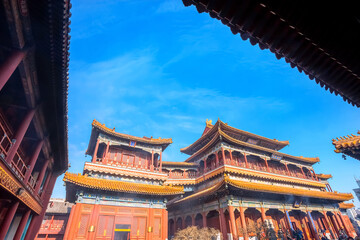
(33, 111)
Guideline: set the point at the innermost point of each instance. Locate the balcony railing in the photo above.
(17, 164)
(237, 163)
(130, 165)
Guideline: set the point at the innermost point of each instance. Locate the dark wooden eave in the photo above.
(320, 38)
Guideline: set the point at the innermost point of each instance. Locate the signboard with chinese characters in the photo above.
(276, 157)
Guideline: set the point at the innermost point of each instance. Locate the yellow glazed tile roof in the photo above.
(346, 205)
(265, 188)
(221, 125)
(186, 164)
(110, 131)
(346, 142)
(121, 186)
(288, 190)
(324, 176)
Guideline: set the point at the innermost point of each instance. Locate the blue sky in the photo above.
(157, 68)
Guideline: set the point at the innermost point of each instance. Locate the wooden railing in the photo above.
(17, 164)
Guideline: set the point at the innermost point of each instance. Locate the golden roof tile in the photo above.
(120, 186)
(324, 176)
(344, 205)
(346, 142)
(288, 190)
(185, 164)
(112, 132)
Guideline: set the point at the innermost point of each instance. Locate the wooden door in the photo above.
(82, 230)
(105, 227)
(138, 228)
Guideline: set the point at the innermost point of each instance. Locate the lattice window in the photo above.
(84, 220)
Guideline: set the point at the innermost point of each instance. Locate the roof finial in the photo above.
(208, 122)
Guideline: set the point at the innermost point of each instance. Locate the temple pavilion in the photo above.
(235, 181)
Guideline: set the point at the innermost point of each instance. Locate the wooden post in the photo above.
(223, 155)
(267, 165)
(332, 230)
(9, 66)
(70, 220)
(8, 219)
(22, 225)
(302, 170)
(152, 161)
(263, 215)
(19, 135)
(312, 225)
(205, 167)
(345, 225)
(106, 153)
(164, 226)
(160, 168)
(216, 160)
(204, 220)
(96, 150)
(246, 162)
(37, 219)
(41, 176)
(287, 169)
(243, 223)
(232, 221)
(231, 158)
(33, 160)
(222, 223)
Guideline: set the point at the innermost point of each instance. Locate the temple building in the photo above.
(348, 145)
(34, 59)
(55, 220)
(235, 181)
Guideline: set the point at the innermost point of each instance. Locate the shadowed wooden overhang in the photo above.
(319, 38)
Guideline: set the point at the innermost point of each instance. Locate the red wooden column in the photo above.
(96, 150)
(106, 153)
(344, 224)
(193, 223)
(19, 135)
(22, 225)
(93, 221)
(267, 165)
(216, 160)
(41, 176)
(33, 160)
(312, 225)
(231, 158)
(246, 162)
(37, 219)
(160, 168)
(150, 228)
(233, 223)
(303, 172)
(164, 228)
(222, 223)
(287, 169)
(205, 167)
(263, 215)
(152, 161)
(8, 219)
(204, 219)
(9, 66)
(332, 230)
(69, 222)
(306, 232)
(243, 223)
(223, 155)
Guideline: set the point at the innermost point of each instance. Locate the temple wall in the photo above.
(96, 221)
